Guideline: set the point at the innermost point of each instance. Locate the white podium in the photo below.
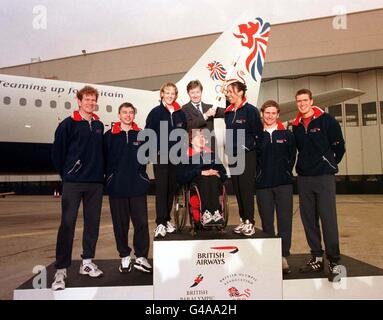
(212, 266)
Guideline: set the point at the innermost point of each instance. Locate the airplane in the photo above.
(31, 108)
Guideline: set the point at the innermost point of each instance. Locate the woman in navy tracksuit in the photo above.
(244, 123)
(275, 161)
(167, 114)
(204, 169)
(127, 184)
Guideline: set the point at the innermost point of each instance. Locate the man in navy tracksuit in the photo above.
(127, 184)
(275, 162)
(321, 147)
(77, 154)
(241, 115)
(169, 114)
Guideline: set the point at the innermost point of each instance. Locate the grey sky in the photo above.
(73, 25)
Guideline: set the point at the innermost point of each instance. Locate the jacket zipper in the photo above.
(235, 115)
(90, 125)
(171, 118)
(325, 159)
(78, 162)
(127, 137)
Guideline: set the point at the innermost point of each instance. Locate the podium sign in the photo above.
(223, 269)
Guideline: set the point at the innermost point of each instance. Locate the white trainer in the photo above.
(248, 229)
(238, 229)
(143, 265)
(160, 231)
(170, 227)
(59, 280)
(126, 265)
(217, 217)
(90, 269)
(206, 217)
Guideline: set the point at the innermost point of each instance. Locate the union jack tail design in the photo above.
(218, 72)
(255, 37)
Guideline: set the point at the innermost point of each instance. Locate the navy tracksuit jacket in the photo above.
(321, 146)
(77, 151)
(275, 158)
(125, 176)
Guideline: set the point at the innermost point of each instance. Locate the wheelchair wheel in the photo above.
(224, 208)
(181, 208)
(194, 225)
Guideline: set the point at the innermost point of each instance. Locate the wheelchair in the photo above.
(187, 205)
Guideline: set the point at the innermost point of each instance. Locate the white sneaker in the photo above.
(126, 265)
(206, 217)
(170, 227)
(238, 229)
(160, 231)
(143, 265)
(90, 269)
(59, 281)
(217, 217)
(248, 229)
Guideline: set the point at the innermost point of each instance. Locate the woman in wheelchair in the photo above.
(205, 172)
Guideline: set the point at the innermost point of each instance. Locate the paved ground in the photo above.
(28, 230)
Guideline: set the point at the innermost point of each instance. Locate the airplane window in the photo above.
(23, 102)
(369, 115)
(352, 115)
(67, 105)
(53, 104)
(109, 108)
(7, 100)
(38, 103)
(97, 108)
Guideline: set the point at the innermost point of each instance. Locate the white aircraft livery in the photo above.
(31, 108)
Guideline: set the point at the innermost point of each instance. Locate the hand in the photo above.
(212, 112)
(210, 172)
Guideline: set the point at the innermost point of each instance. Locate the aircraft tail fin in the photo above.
(238, 54)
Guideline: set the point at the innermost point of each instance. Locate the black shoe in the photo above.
(334, 272)
(312, 266)
(286, 271)
(285, 266)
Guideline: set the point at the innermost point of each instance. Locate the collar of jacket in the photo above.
(317, 113)
(231, 107)
(192, 152)
(175, 105)
(76, 116)
(117, 127)
(280, 126)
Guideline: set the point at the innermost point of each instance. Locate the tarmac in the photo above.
(29, 224)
